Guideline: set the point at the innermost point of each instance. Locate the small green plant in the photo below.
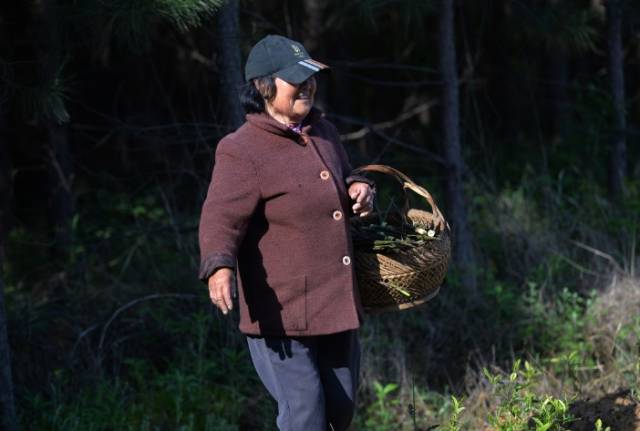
(380, 414)
(194, 388)
(599, 426)
(520, 408)
(457, 408)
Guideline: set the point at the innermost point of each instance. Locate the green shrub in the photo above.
(520, 407)
(200, 387)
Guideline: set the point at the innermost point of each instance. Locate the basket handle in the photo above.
(407, 183)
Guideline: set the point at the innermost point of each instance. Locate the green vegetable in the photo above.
(386, 237)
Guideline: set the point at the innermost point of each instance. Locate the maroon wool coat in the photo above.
(277, 210)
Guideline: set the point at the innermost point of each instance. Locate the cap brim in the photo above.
(301, 71)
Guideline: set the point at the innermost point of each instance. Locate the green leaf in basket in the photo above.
(404, 292)
(398, 288)
(388, 237)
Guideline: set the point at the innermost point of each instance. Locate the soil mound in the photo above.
(619, 411)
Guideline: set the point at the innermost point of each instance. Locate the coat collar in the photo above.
(267, 123)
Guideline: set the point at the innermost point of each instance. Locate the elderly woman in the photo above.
(277, 214)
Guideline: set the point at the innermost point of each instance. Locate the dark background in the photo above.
(520, 116)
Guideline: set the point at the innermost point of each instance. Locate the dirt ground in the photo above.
(620, 411)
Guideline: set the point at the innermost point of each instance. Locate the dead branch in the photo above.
(404, 116)
(135, 302)
(601, 254)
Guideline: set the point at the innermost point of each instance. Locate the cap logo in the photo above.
(296, 50)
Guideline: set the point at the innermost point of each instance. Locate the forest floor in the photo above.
(620, 411)
(131, 345)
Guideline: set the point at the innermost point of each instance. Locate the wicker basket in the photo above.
(400, 279)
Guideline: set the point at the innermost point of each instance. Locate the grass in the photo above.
(533, 394)
(131, 342)
(200, 388)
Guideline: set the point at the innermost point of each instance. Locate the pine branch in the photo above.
(132, 22)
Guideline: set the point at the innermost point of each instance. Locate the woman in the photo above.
(277, 212)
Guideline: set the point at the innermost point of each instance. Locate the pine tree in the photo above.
(455, 165)
(133, 23)
(562, 29)
(9, 420)
(617, 162)
(7, 402)
(229, 63)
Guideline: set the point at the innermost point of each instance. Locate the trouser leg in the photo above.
(288, 369)
(339, 368)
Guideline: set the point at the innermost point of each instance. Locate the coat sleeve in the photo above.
(232, 197)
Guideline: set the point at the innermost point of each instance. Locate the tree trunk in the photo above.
(9, 419)
(229, 64)
(559, 74)
(313, 30)
(7, 404)
(463, 242)
(6, 189)
(61, 177)
(58, 149)
(617, 163)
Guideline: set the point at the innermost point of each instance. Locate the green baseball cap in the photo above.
(281, 57)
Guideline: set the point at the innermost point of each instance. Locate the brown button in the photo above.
(346, 260)
(337, 215)
(324, 175)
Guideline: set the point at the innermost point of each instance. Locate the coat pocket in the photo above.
(282, 305)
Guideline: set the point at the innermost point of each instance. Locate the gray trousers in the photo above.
(313, 379)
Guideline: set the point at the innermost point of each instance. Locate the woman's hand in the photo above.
(220, 283)
(363, 194)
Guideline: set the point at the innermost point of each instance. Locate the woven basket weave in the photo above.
(386, 277)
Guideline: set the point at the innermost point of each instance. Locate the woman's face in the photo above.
(292, 102)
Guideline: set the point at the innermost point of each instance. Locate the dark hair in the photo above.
(254, 93)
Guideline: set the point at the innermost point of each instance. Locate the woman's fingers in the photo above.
(355, 193)
(223, 298)
(220, 290)
(226, 296)
(363, 196)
